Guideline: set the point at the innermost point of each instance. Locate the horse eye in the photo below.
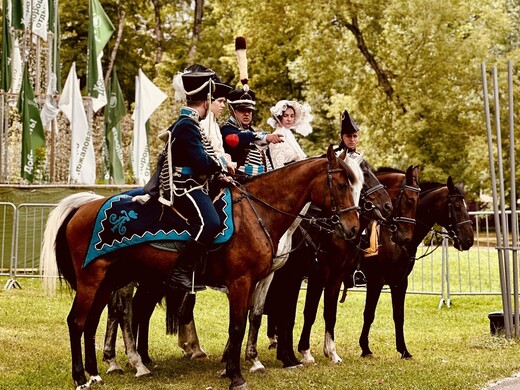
(342, 186)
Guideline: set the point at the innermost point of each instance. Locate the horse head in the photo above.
(341, 202)
(459, 224)
(404, 191)
(374, 198)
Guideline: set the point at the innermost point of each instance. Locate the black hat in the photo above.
(239, 98)
(197, 85)
(221, 90)
(348, 126)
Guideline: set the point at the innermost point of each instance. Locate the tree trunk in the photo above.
(158, 33)
(382, 75)
(122, 15)
(197, 26)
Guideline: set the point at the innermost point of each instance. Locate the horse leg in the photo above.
(93, 307)
(398, 298)
(187, 338)
(109, 347)
(255, 320)
(284, 318)
(312, 300)
(238, 307)
(329, 315)
(143, 305)
(75, 333)
(373, 293)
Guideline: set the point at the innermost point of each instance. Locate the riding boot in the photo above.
(182, 273)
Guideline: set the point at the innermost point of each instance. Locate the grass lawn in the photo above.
(452, 348)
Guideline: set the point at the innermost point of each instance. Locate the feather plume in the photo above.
(240, 48)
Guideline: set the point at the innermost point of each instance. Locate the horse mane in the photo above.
(388, 170)
(428, 186)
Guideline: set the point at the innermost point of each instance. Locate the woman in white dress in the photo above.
(289, 116)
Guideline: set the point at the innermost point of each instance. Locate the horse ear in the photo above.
(450, 184)
(330, 153)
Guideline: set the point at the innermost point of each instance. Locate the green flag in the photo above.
(33, 137)
(114, 112)
(5, 81)
(100, 29)
(17, 20)
(54, 26)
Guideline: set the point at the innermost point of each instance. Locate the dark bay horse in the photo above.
(336, 260)
(263, 209)
(438, 204)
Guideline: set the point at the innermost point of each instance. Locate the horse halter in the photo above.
(397, 219)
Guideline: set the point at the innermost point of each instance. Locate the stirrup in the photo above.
(359, 279)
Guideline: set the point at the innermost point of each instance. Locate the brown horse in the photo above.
(263, 210)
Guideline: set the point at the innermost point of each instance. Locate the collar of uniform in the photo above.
(190, 112)
(232, 121)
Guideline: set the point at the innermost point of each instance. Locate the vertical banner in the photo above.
(100, 29)
(147, 98)
(5, 76)
(115, 110)
(33, 137)
(82, 158)
(37, 11)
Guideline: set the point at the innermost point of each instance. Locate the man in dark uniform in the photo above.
(185, 168)
(247, 147)
(349, 134)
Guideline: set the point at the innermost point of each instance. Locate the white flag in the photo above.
(82, 159)
(147, 98)
(37, 11)
(49, 110)
(16, 68)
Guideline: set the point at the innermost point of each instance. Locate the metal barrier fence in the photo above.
(444, 271)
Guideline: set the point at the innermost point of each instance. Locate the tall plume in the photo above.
(240, 48)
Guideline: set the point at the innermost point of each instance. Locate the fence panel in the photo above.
(30, 225)
(7, 237)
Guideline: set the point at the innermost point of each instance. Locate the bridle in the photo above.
(452, 224)
(323, 222)
(400, 219)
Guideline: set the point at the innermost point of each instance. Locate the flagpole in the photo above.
(6, 129)
(72, 115)
(2, 103)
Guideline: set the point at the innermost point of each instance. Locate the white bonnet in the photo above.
(302, 116)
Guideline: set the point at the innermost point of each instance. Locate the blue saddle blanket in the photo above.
(120, 222)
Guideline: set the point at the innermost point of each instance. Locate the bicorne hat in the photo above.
(348, 125)
(193, 86)
(221, 89)
(239, 98)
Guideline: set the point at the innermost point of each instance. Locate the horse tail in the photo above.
(55, 258)
(179, 309)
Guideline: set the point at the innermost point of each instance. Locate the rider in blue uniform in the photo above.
(186, 166)
(247, 147)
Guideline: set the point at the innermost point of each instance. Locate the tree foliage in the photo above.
(408, 71)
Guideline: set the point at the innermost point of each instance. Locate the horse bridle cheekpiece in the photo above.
(397, 219)
(336, 210)
(452, 224)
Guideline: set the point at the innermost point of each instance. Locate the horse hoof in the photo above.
(94, 379)
(142, 371)
(257, 367)
(293, 366)
(406, 355)
(243, 386)
(367, 354)
(307, 357)
(199, 355)
(85, 386)
(114, 369)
